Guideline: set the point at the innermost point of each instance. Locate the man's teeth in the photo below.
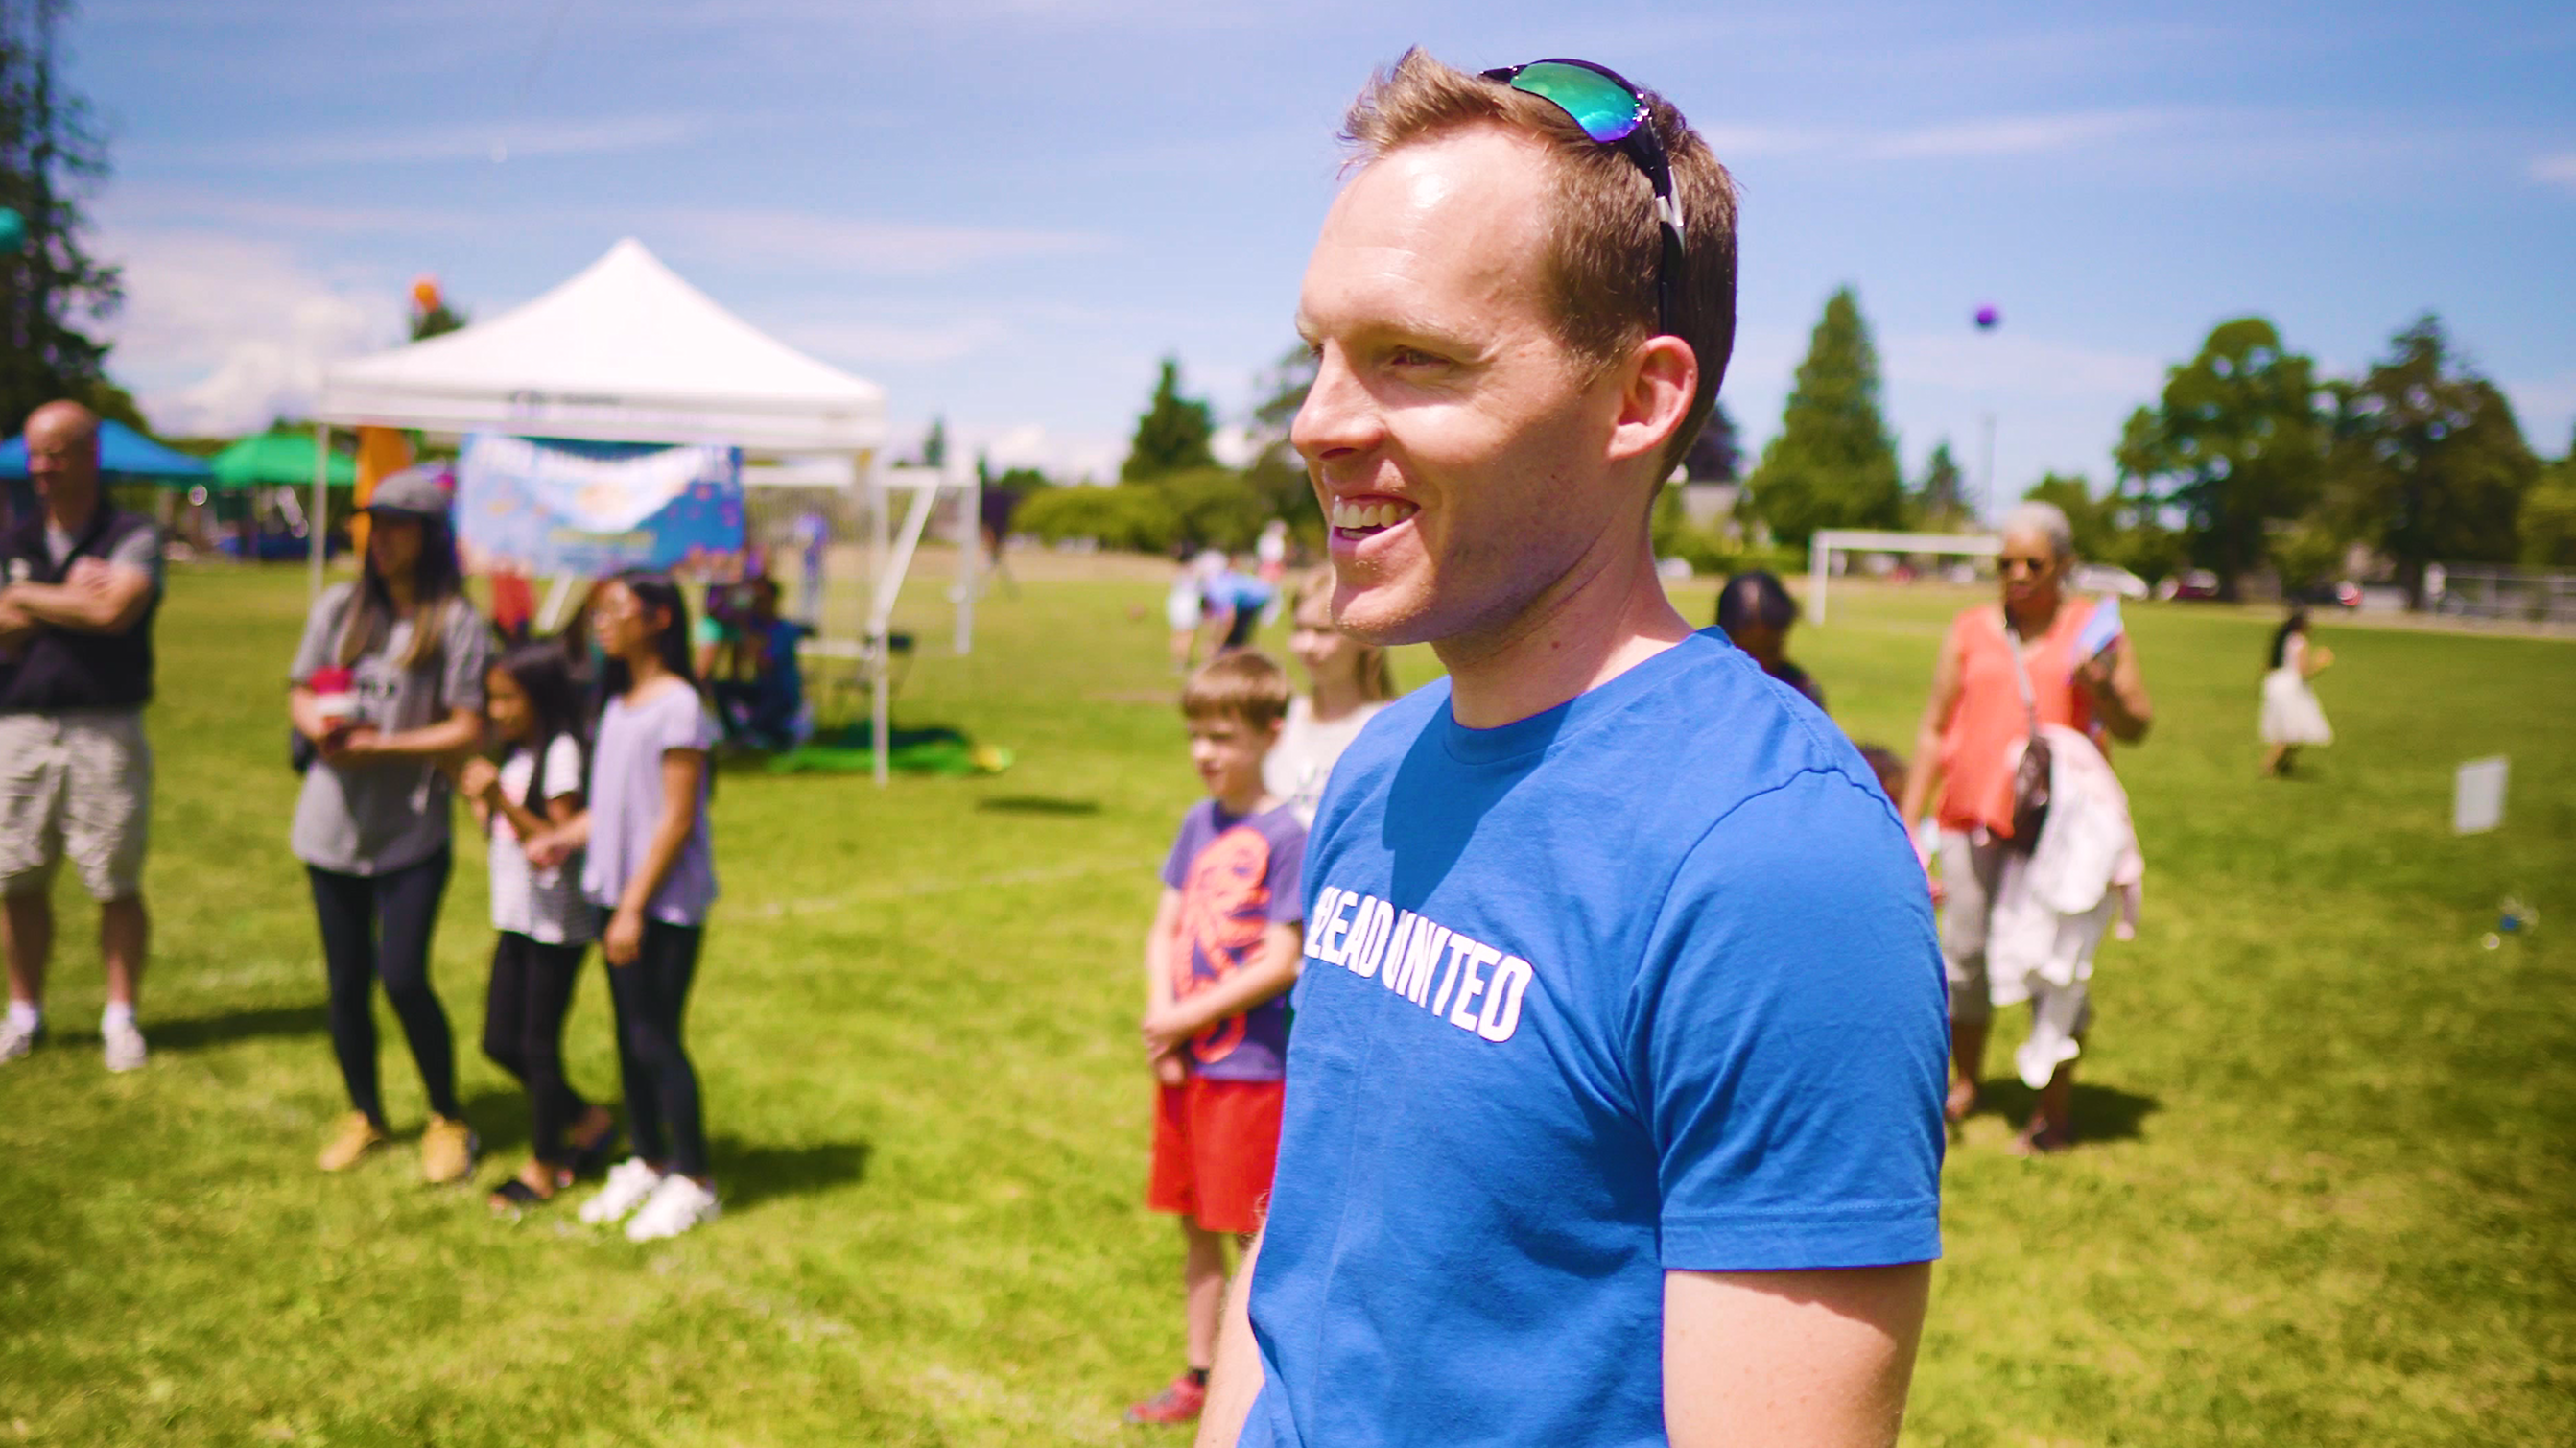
(1371, 515)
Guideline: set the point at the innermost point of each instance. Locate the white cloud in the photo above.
(147, 206)
(2558, 170)
(798, 238)
(2015, 135)
(499, 141)
(1234, 446)
(1065, 457)
(219, 334)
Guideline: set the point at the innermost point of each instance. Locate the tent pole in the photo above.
(317, 529)
(880, 630)
(970, 566)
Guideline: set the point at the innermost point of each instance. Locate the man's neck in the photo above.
(1245, 803)
(1605, 617)
(63, 518)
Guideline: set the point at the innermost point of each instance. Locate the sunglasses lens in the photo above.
(1605, 109)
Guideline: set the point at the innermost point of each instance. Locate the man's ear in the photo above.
(1657, 385)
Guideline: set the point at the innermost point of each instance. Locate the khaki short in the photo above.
(77, 783)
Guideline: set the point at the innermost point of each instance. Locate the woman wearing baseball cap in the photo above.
(387, 682)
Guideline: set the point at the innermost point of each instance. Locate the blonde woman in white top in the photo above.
(1347, 683)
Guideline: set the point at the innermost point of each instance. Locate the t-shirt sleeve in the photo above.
(466, 654)
(1176, 865)
(140, 548)
(1287, 879)
(321, 633)
(684, 723)
(1787, 1037)
(563, 767)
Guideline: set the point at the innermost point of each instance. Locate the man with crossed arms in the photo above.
(1613, 1109)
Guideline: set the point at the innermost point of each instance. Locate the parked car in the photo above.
(2108, 578)
(2190, 583)
(2346, 594)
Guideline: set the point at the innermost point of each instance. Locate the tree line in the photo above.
(2248, 461)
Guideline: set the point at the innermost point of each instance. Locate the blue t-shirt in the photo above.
(1237, 875)
(1646, 982)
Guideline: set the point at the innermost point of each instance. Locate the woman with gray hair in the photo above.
(2005, 670)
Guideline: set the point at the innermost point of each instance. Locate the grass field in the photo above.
(2326, 1196)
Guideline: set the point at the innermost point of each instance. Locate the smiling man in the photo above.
(1613, 1106)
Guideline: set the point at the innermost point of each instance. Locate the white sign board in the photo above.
(2477, 800)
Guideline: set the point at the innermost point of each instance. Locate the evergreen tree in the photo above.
(1277, 473)
(1172, 435)
(1715, 456)
(49, 156)
(1833, 464)
(2235, 445)
(438, 321)
(2427, 462)
(934, 444)
(1941, 503)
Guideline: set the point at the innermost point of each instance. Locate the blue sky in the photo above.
(1006, 210)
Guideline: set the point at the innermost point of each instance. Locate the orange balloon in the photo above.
(424, 294)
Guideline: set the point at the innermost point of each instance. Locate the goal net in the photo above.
(1829, 541)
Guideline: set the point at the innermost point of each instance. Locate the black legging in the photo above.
(650, 994)
(378, 927)
(523, 1016)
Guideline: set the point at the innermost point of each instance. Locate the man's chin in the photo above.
(1382, 615)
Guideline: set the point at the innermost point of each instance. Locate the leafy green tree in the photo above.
(934, 444)
(2427, 463)
(1277, 473)
(1833, 464)
(2547, 524)
(51, 290)
(1172, 435)
(1216, 508)
(438, 321)
(1130, 517)
(2090, 518)
(2235, 446)
(1941, 503)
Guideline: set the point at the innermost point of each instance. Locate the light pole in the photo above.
(1988, 318)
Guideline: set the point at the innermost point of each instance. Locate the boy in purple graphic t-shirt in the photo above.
(1224, 949)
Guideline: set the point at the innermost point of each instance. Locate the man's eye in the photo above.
(1412, 357)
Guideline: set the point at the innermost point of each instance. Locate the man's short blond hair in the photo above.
(1245, 686)
(1603, 240)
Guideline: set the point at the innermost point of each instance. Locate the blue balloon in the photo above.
(1988, 317)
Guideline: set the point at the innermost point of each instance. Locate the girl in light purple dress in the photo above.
(650, 868)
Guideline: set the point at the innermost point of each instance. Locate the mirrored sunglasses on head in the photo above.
(1612, 113)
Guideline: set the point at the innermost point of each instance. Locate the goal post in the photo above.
(1827, 542)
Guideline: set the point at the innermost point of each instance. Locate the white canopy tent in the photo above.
(629, 352)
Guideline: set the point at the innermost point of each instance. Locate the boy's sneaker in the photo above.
(356, 1137)
(629, 1183)
(17, 1038)
(1181, 1402)
(125, 1050)
(676, 1205)
(447, 1150)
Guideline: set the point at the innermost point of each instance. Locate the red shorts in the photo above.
(1215, 1143)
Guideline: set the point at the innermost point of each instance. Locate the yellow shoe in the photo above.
(355, 1138)
(447, 1148)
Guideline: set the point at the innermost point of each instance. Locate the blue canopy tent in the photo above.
(123, 454)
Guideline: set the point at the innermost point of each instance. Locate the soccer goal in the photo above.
(1830, 541)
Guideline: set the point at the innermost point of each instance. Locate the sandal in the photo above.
(515, 1196)
(592, 1159)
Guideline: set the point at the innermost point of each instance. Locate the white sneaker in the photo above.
(17, 1040)
(125, 1050)
(629, 1183)
(677, 1205)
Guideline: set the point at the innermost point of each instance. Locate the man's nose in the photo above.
(1338, 417)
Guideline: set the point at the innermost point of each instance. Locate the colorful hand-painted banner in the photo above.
(548, 507)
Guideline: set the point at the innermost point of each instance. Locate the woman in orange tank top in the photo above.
(1975, 716)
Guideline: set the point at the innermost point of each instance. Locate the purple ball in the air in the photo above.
(1987, 317)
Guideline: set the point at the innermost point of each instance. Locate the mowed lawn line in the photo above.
(2336, 1224)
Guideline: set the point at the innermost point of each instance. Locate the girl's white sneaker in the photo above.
(629, 1183)
(677, 1205)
